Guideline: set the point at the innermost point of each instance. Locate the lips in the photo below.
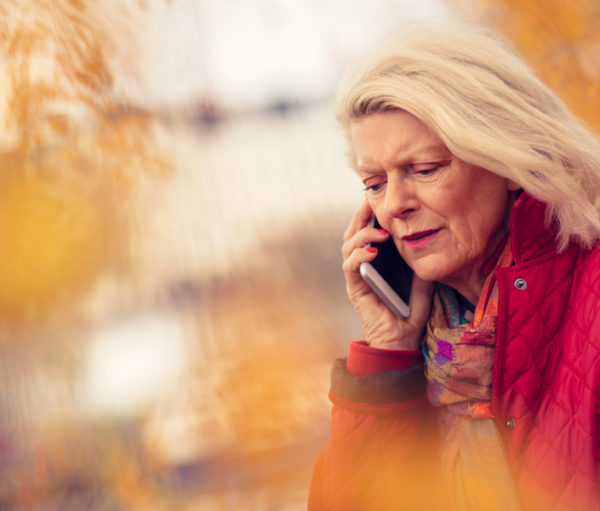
(419, 235)
(420, 240)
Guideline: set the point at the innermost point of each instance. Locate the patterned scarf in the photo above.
(459, 357)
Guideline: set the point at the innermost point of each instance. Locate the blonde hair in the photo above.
(490, 110)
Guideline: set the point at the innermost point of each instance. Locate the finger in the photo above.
(362, 238)
(351, 265)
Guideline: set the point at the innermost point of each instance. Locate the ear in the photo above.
(511, 186)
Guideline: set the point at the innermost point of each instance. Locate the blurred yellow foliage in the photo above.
(69, 152)
(559, 39)
(55, 58)
(52, 241)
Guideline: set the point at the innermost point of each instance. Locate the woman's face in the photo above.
(446, 216)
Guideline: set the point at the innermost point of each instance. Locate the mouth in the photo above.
(420, 235)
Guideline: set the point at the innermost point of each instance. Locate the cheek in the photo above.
(467, 227)
(475, 227)
(383, 218)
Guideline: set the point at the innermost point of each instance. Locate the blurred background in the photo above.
(173, 192)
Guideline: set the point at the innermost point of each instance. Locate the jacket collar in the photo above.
(530, 235)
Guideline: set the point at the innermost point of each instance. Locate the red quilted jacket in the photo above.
(382, 451)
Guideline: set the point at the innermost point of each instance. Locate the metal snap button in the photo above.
(509, 423)
(520, 284)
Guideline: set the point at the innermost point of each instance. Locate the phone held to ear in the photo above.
(389, 276)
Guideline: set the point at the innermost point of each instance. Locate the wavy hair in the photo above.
(491, 111)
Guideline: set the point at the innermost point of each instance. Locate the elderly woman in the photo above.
(486, 396)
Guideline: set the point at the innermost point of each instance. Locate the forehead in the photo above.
(393, 136)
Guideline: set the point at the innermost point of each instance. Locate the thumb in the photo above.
(421, 295)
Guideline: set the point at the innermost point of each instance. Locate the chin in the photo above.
(431, 273)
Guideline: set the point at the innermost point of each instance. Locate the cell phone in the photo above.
(389, 276)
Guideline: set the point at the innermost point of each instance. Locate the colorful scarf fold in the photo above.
(459, 357)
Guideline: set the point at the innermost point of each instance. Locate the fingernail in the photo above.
(382, 231)
(372, 249)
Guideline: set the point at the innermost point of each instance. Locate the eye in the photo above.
(374, 186)
(427, 172)
(428, 169)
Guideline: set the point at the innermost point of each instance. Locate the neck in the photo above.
(470, 290)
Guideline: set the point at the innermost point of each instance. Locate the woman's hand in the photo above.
(383, 329)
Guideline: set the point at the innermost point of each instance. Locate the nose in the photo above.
(400, 199)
